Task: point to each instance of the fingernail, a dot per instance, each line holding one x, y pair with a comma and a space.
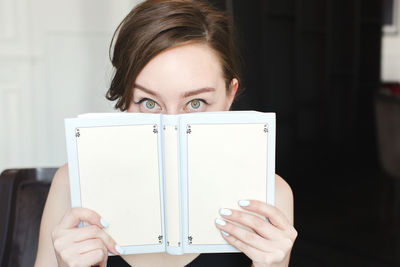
225, 212
119, 249
224, 233
104, 223
244, 203
220, 221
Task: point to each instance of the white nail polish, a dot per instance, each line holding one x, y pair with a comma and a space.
244, 203
104, 223
225, 212
119, 249
224, 233
220, 221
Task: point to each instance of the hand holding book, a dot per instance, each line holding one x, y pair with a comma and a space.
87, 245
267, 243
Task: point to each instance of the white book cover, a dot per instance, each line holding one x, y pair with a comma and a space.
160, 180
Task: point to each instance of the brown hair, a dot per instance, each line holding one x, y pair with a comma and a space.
154, 26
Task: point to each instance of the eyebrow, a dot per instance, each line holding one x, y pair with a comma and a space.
198, 91
185, 94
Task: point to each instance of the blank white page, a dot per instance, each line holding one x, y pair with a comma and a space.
226, 163
119, 179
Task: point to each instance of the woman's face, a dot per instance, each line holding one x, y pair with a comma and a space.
182, 79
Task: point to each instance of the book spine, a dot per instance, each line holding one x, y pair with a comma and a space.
170, 130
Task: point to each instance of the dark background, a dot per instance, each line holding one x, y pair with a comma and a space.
316, 63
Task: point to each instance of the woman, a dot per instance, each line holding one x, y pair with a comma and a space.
170, 57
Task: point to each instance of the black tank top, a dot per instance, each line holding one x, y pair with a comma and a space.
204, 260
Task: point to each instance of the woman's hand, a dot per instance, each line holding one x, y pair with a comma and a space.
270, 243
85, 246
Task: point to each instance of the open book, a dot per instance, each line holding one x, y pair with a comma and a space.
160, 180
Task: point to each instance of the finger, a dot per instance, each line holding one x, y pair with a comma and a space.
89, 245
66, 237
260, 226
250, 238
93, 231
74, 251
94, 257
254, 254
104, 263
275, 216
77, 215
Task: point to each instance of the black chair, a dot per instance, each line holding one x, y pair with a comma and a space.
23, 193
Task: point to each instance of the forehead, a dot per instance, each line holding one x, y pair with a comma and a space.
182, 68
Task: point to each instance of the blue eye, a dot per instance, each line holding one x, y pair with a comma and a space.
150, 104
147, 104
195, 104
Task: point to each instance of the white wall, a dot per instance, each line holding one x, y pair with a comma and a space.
53, 64
391, 58
390, 68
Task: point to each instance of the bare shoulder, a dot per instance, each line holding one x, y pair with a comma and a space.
59, 192
61, 178
284, 197
57, 205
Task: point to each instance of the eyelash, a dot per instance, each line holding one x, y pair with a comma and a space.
198, 99
146, 99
